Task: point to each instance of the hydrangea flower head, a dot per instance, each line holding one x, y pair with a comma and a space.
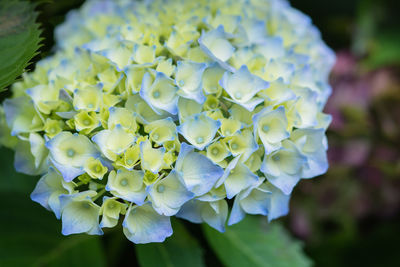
204, 110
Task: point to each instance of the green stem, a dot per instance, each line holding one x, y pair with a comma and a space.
80, 183
100, 185
99, 194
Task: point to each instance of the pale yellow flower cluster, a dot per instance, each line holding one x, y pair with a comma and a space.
171, 107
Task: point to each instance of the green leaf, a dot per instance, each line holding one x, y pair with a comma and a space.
180, 250
254, 242
384, 50
30, 236
19, 39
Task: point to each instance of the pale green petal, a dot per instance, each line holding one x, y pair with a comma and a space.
152, 159
123, 117
113, 142
88, 98
215, 44
187, 108
161, 130
188, 77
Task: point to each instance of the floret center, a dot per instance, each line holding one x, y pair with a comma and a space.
265, 128
160, 188
70, 152
98, 168
235, 146
124, 182
156, 94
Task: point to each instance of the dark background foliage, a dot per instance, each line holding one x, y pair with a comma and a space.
348, 217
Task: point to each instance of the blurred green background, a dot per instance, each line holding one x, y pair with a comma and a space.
348, 217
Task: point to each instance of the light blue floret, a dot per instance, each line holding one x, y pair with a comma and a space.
313, 145
153, 97
79, 214
191, 165
263, 199
242, 86
167, 195
199, 130
237, 177
48, 189
284, 167
142, 224
214, 213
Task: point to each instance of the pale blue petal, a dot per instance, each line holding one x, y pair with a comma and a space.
237, 213
69, 173
232, 164
251, 104
271, 47
167, 195
257, 202
199, 174
79, 214
283, 168
242, 86
279, 203
284, 182
240, 179
254, 31
271, 138
191, 211
142, 224
24, 161
312, 144
43, 190
48, 189
316, 165
215, 214
221, 50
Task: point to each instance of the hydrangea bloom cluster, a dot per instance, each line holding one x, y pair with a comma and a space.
155, 109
